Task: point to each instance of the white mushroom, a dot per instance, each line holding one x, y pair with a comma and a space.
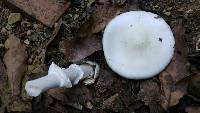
58, 77
138, 44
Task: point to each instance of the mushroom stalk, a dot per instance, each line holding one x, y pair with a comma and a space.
58, 77
35, 87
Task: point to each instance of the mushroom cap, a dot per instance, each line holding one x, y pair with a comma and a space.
138, 44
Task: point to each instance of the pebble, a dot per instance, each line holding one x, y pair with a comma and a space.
8, 27
167, 13
169, 8
26, 24
28, 33
4, 31
190, 11
38, 27
14, 18
89, 105
1, 45
27, 42
180, 9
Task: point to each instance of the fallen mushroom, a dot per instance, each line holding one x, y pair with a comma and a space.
138, 44
57, 77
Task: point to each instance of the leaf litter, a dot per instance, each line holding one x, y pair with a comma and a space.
176, 70
110, 93
15, 62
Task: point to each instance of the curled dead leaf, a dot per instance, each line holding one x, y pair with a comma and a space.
15, 61
75, 50
176, 70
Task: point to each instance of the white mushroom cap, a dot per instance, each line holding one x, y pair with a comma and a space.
138, 44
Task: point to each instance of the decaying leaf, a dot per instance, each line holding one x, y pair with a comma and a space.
58, 93
46, 11
194, 85
176, 70
15, 61
75, 97
113, 103
99, 18
75, 50
150, 94
193, 109
175, 97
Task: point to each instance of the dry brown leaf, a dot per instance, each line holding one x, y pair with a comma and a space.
59, 93
78, 95
75, 50
175, 97
99, 18
193, 109
150, 94
113, 103
79, 48
15, 61
46, 11
193, 85
176, 70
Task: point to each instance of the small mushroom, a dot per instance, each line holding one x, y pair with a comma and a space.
57, 77
138, 44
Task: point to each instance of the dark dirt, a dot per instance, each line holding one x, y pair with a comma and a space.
110, 93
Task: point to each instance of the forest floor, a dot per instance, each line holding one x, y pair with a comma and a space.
77, 37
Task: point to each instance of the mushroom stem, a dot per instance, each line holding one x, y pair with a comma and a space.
35, 87
58, 77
